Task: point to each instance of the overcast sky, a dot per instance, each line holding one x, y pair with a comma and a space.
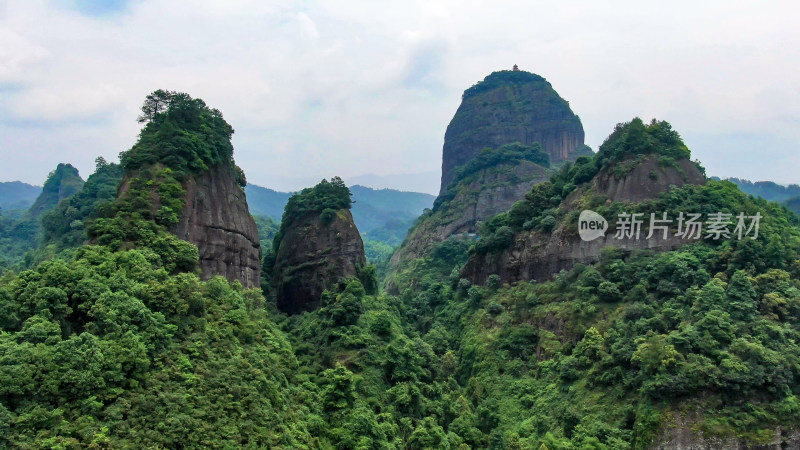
316, 89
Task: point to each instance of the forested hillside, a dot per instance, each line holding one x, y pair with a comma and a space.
119, 335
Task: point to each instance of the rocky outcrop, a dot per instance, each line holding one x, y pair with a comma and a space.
646, 180
60, 184
490, 192
507, 108
538, 255
313, 255
510, 106
678, 434
217, 220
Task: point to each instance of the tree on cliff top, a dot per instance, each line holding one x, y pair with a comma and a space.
182, 133
504, 78
332, 194
325, 197
635, 138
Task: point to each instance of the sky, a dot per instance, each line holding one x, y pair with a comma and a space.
365, 89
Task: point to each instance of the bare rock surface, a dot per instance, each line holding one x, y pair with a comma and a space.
217, 220
537, 255
314, 256
510, 106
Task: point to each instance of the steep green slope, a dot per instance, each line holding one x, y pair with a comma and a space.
508, 133
65, 225
120, 344
17, 237
20, 234
698, 342
493, 179
60, 184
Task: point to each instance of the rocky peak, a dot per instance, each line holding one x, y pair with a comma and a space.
510, 106
632, 170
317, 246
505, 135
489, 184
184, 154
60, 184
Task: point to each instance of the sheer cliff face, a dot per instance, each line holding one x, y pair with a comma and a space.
507, 107
217, 220
680, 433
314, 256
510, 107
537, 255
485, 195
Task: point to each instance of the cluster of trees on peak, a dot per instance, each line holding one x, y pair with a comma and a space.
327, 195
503, 78
183, 134
637, 138
325, 200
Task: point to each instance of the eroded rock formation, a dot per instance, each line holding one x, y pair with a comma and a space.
217, 220
506, 108
510, 106
538, 255
487, 194
314, 254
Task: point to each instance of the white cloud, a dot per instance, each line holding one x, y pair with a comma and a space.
307, 26
17, 54
357, 87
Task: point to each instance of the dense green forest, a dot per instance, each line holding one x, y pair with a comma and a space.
112, 340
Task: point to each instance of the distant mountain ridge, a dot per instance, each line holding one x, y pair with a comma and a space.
18, 195
372, 208
426, 182
767, 190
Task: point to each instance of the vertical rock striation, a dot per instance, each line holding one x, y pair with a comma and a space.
507, 110
510, 106
217, 220
313, 256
